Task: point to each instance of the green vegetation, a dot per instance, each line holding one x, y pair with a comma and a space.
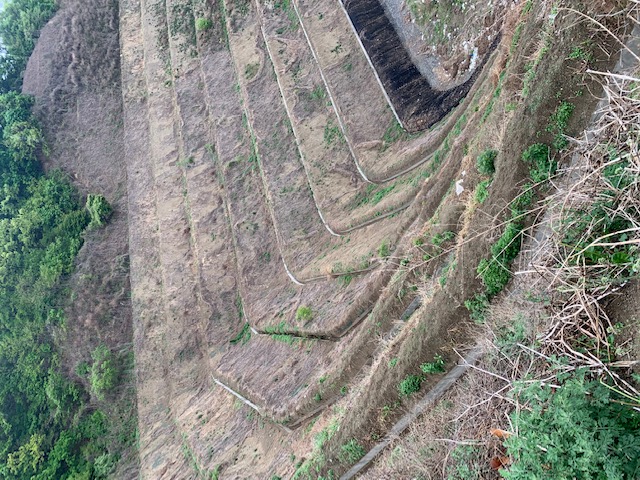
277, 333
581, 52
48, 430
558, 124
481, 193
99, 210
372, 195
477, 307
318, 93
464, 464
436, 366
251, 70
243, 335
495, 271
384, 249
411, 384
332, 134
203, 24
584, 428
287, 8
542, 167
20, 25
104, 371
313, 466
441, 238
304, 314
351, 451
485, 162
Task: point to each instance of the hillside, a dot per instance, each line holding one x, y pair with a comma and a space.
319, 209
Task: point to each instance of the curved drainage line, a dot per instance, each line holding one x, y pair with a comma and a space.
291, 276
320, 336
335, 108
426, 402
333, 103
249, 403
333, 232
366, 55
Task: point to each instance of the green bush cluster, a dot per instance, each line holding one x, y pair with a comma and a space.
542, 166
104, 371
351, 451
495, 271
436, 366
485, 162
481, 192
304, 314
410, 384
477, 307
203, 24
558, 124
581, 430
99, 210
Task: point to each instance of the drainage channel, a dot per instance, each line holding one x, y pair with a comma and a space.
427, 401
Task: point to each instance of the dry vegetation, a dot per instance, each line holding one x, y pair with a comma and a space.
558, 323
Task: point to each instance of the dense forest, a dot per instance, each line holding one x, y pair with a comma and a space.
48, 429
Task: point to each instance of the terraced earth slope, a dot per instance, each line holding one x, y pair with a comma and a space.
293, 185
270, 190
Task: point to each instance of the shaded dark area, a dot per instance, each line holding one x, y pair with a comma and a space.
418, 105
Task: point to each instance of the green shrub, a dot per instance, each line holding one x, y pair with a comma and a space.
494, 272
508, 245
410, 384
243, 335
485, 162
99, 210
558, 123
477, 307
522, 202
481, 192
541, 165
577, 431
304, 314
104, 465
440, 238
104, 371
437, 366
351, 451
203, 24
383, 249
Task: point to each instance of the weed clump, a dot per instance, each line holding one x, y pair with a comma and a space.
203, 24
352, 451
437, 366
541, 165
481, 192
585, 432
304, 314
104, 372
485, 162
411, 384
99, 210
